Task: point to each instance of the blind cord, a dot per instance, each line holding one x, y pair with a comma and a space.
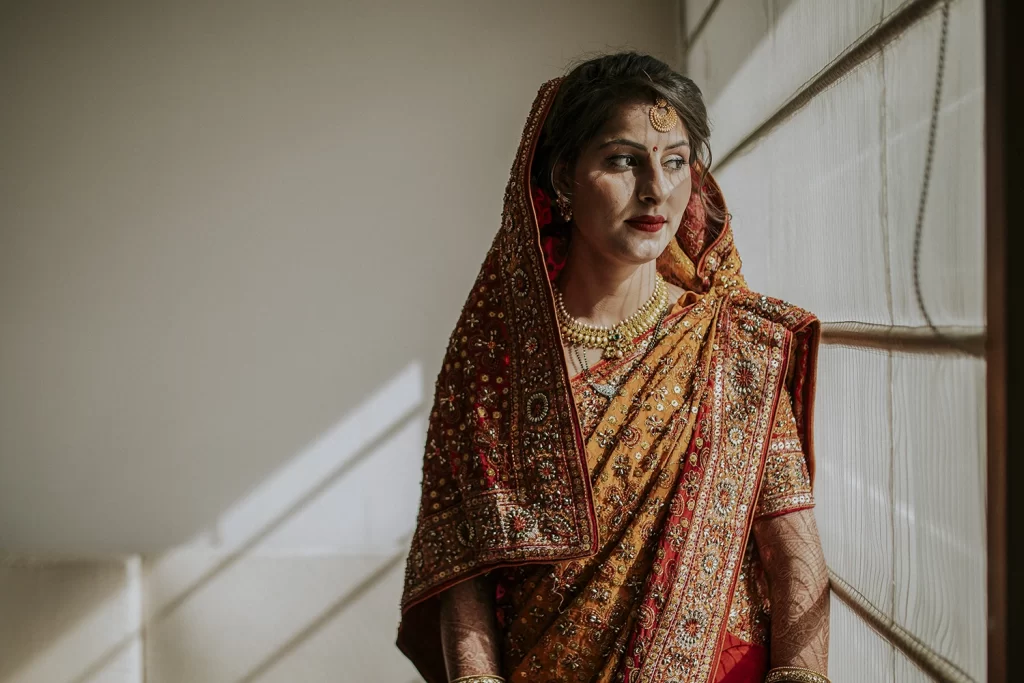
929, 158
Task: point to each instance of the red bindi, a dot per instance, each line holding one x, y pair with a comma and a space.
655, 148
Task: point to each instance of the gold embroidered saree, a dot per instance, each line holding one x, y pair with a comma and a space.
616, 525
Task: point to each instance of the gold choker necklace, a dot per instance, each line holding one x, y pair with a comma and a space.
616, 340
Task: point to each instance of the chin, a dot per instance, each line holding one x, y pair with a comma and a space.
639, 257
645, 249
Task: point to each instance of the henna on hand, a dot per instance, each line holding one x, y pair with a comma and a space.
469, 629
798, 585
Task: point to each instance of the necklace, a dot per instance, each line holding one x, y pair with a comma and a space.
616, 340
610, 389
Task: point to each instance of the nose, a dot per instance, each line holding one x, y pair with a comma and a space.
652, 188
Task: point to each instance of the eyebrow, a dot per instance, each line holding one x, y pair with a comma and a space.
637, 145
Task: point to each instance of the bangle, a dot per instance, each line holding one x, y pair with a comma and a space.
478, 679
792, 674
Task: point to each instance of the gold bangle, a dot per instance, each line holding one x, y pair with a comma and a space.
792, 674
478, 679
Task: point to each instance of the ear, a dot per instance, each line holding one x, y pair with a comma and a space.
561, 178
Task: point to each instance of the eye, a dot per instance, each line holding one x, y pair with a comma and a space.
676, 163
622, 161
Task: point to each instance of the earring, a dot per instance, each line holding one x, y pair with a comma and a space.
564, 206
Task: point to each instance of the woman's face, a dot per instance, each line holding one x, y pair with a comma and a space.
630, 187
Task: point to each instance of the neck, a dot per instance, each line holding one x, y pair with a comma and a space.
601, 292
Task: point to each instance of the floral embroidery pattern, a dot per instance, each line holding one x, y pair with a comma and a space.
786, 484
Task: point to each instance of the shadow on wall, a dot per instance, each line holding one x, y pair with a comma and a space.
322, 513
88, 602
221, 228
200, 258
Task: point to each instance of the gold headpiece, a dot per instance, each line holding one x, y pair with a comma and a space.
663, 116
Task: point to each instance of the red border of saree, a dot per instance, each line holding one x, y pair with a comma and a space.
684, 640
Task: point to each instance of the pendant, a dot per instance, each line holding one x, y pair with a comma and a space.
606, 390
616, 346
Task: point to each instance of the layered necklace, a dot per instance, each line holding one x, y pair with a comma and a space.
616, 340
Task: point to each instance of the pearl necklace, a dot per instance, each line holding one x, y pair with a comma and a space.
616, 340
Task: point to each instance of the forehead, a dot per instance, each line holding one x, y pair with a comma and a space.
633, 120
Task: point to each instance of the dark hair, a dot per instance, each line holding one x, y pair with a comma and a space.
593, 90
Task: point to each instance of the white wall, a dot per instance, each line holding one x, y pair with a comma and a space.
70, 620
233, 241
824, 210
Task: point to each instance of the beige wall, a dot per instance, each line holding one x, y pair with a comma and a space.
824, 208
225, 225
233, 240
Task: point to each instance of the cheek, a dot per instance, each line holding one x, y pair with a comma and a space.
606, 197
681, 196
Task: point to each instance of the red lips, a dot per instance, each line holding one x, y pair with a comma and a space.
647, 223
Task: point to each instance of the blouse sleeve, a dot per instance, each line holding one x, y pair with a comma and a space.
786, 485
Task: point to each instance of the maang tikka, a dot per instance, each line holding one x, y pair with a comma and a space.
663, 116
564, 206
